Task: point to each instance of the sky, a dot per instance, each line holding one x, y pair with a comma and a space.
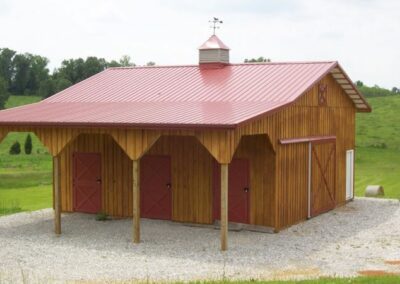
363, 35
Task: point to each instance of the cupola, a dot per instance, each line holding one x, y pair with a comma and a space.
213, 53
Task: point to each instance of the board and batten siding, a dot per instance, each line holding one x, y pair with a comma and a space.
191, 172
258, 150
302, 119
116, 173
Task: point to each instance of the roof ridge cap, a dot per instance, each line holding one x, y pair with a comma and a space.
230, 64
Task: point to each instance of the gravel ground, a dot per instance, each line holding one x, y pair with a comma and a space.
359, 236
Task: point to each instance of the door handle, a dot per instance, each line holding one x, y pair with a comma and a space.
246, 189
98, 180
168, 185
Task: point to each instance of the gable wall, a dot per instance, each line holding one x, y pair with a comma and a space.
301, 119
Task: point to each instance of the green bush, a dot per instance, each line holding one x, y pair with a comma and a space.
101, 216
28, 145
15, 148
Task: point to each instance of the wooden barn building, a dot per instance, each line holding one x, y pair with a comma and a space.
266, 144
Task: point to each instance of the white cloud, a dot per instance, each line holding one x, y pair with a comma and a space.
362, 35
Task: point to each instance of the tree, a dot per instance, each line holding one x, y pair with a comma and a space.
260, 59
4, 94
375, 91
38, 72
6, 64
72, 70
61, 84
15, 148
113, 63
125, 61
150, 63
28, 145
93, 65
21, 64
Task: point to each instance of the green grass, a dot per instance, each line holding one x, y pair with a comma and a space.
25, 180
378, 166
25, 199
378, 147
382, 126
15, 101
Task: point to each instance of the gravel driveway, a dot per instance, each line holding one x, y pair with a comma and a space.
359, 236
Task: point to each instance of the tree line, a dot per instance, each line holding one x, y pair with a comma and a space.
28, 74
376, 91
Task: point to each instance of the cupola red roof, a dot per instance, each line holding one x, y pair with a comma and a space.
213, 43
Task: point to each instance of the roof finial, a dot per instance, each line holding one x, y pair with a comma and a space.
215, 21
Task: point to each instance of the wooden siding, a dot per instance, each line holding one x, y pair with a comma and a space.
191, 177
135, 142
116, 173
258, 150
220, 143
3, 134
306, 118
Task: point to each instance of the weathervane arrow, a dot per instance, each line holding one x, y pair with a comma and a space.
215, 21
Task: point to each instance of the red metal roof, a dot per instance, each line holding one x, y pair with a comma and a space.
174, 96
214, 43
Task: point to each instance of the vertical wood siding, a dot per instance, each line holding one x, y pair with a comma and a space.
116, 173
261, 156
306, 118
191, 166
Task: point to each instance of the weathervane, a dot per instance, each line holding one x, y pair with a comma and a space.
215, 21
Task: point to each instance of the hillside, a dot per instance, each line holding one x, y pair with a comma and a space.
381, 128
378, 146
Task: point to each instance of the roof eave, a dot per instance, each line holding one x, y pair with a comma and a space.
369, 108
117, 125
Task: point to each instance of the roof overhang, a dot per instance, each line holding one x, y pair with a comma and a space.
350, 89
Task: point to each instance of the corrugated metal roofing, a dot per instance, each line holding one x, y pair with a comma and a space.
177, 96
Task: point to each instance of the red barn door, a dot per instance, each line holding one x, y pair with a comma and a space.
238, 191
155, 187
323, 177
87, 182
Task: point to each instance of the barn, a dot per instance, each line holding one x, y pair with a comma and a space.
265, 145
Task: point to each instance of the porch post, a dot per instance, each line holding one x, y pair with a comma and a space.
136, 200
224, 207
57, 195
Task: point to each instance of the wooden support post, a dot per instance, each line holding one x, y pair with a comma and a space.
57, 195
224, 207
136, 200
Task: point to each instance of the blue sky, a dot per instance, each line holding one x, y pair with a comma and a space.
363, 35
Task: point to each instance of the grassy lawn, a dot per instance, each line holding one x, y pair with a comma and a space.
378, 147
15, 101
378, 166
25, 180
